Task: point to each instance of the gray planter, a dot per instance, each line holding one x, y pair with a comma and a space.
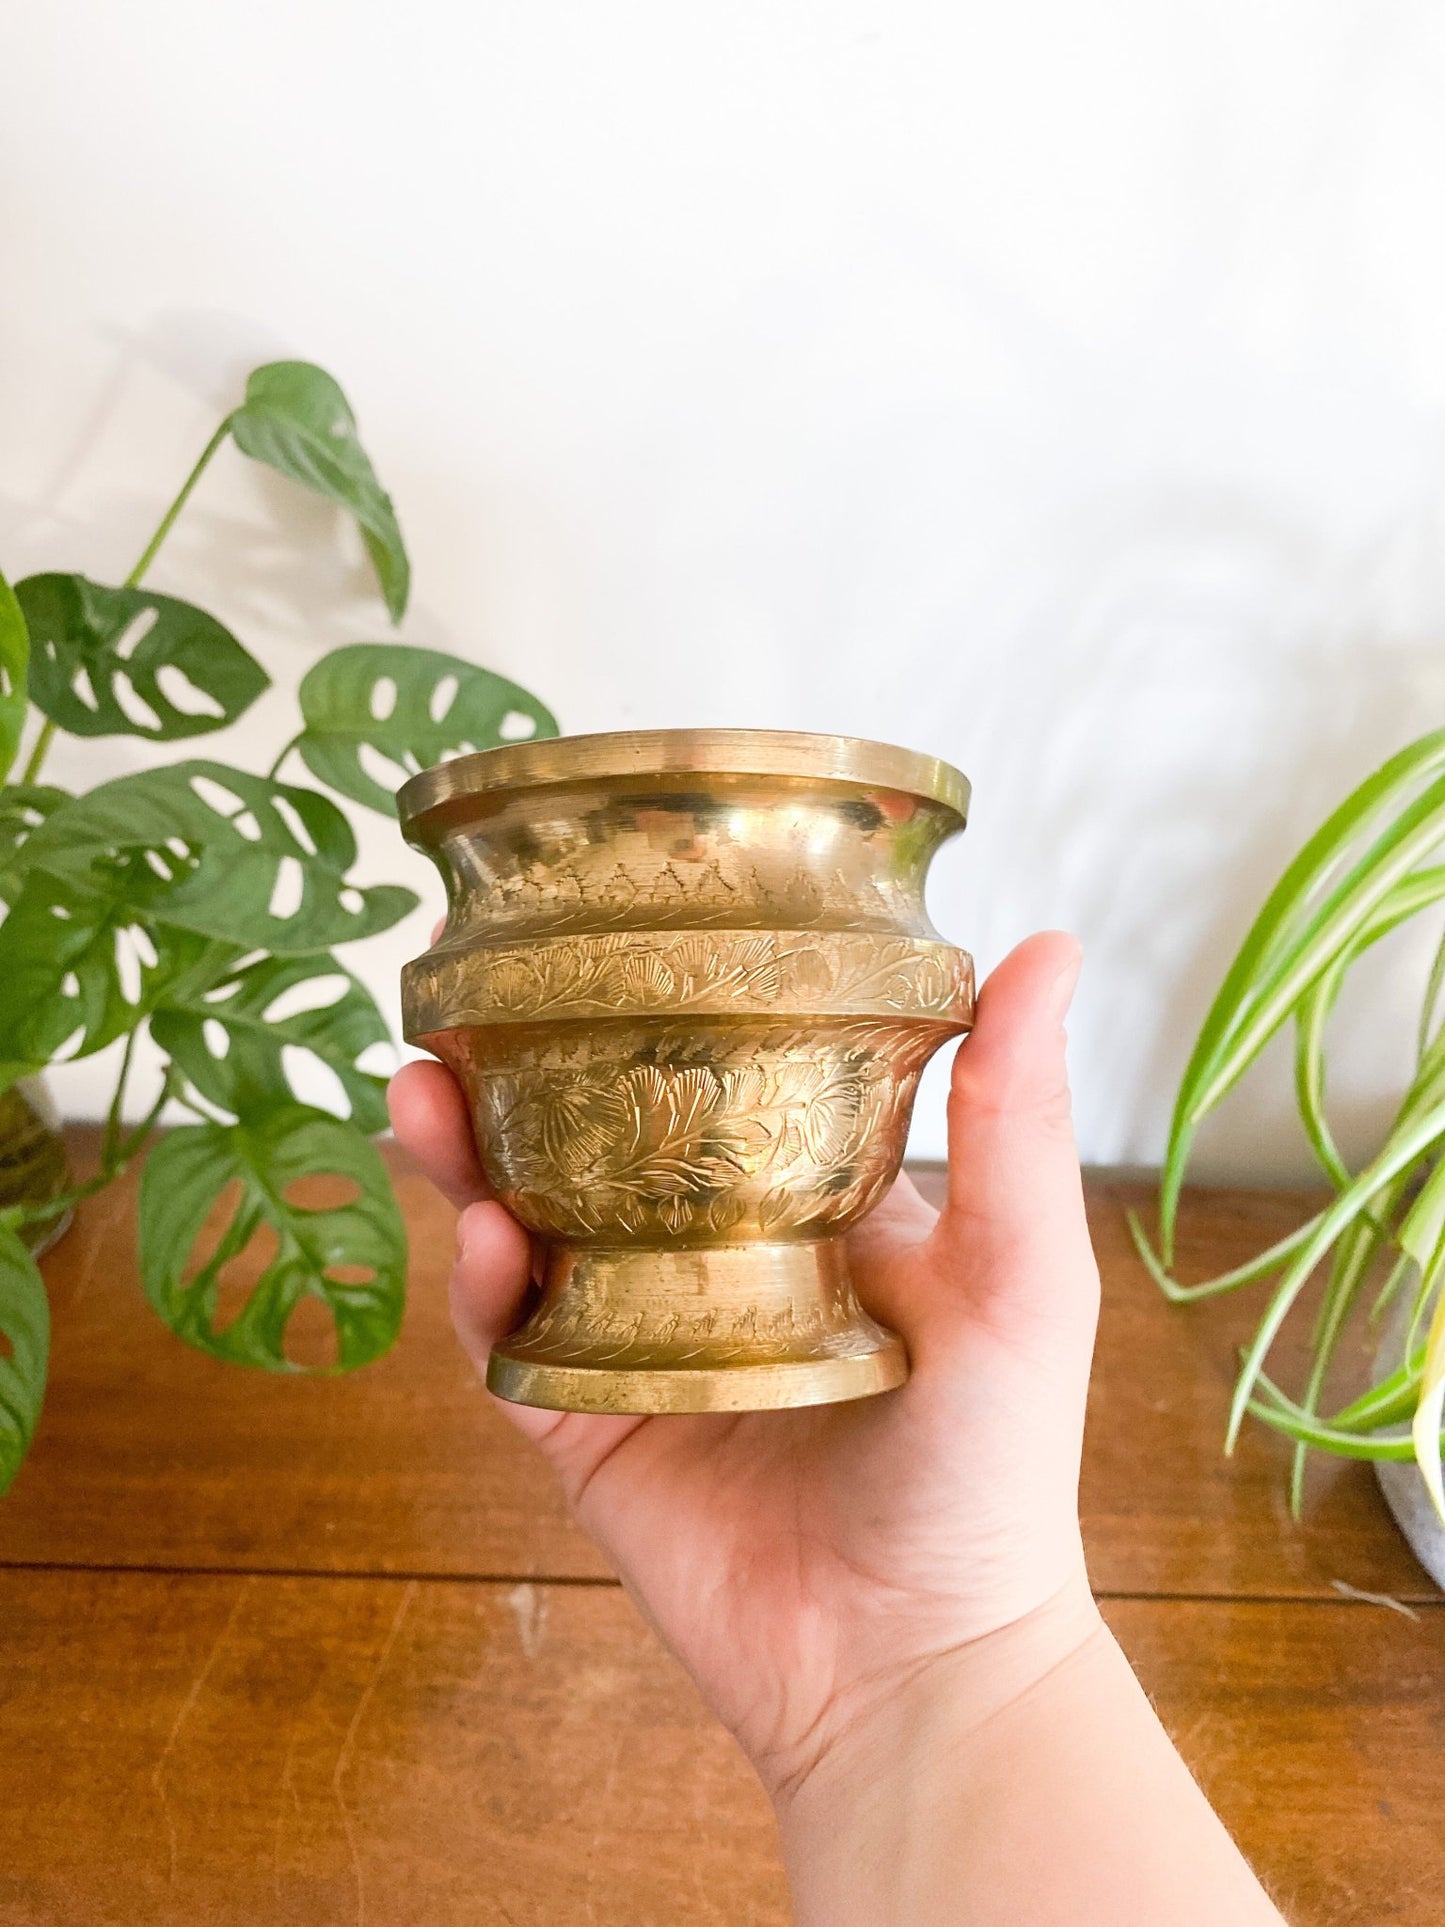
1415, 1515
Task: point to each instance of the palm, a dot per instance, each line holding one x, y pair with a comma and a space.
759, 1544
794, 1558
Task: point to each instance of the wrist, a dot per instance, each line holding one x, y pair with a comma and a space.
1021, 1778
904, 1722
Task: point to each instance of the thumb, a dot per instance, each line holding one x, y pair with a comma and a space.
1015, 1199
488, 1291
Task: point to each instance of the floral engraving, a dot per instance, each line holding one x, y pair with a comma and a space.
764, 1132
689, 1008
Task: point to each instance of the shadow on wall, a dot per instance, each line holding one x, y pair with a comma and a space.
1232, 676
1161, 688
284, 569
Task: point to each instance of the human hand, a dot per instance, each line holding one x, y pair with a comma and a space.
805, 1565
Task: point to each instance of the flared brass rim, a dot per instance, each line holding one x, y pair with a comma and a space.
665, 752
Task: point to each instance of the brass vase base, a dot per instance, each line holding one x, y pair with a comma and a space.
725, 1328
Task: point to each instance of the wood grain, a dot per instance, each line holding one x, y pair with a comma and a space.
153, 1455
234, 1750
1315, 1730
385, 1681
225, 1750
1164, 1511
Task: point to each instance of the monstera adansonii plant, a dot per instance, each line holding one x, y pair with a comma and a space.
203, 905
1373, 866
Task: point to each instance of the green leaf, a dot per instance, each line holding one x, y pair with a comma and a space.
242, 1009
1427, 1086
233, 856
1351, 1263
1430, 1003
1248, 1273
129, 662
23, 808
1390, 1402
350, 1255
1276, 931
1411, 837
296, 420
66, 971
14, 657
1417, 831
1287, 1418
1422, 1229
414, 707
1425, 1430
25, 1323
1407, 899
1401, 1149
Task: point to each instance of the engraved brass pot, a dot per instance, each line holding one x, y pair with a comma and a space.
688, 983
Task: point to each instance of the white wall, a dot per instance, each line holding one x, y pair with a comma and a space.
1055, 388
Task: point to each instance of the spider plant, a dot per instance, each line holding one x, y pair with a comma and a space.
1373, 866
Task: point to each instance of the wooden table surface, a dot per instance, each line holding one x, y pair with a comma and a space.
314, 1652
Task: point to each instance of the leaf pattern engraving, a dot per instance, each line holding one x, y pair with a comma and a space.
767, 1133
729, 972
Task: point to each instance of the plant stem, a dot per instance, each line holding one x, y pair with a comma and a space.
39, 753
189, 1104
148, 553
113, 1121
285, 752
111, 1166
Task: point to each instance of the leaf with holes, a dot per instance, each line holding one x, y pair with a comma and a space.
129, 662
14, 658
23, 808
350, 1255
233, 856
83, 967
263, 1011
25, 1325
413, 707
296, 419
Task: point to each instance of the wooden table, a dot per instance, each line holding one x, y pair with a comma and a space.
279, 1652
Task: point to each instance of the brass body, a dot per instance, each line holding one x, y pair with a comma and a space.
688, 983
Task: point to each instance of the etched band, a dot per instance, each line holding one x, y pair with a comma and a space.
723, 973
760, 1129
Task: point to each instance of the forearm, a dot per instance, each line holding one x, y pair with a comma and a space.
1035, 1787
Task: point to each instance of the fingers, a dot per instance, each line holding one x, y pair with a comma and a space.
882, 1256
490, 1277
493, 1267
488, 1288
1013, 1169
429, 1116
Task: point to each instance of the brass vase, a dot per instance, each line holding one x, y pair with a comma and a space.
688, 984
